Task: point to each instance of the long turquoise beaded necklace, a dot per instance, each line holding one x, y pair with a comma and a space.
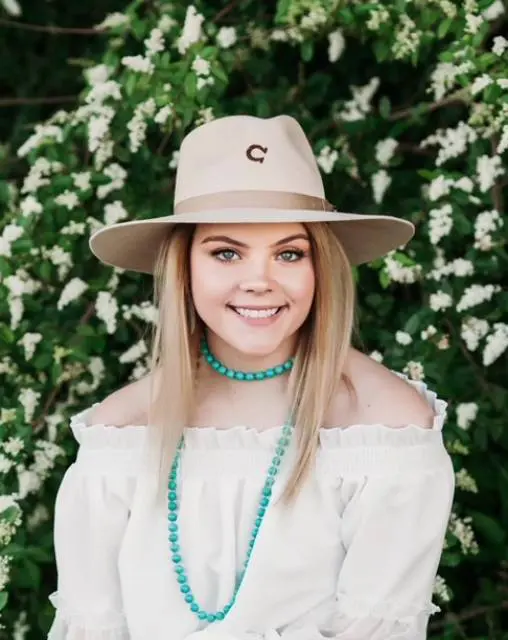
266, 493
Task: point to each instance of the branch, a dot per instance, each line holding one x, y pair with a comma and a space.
466, 615
50, 29
459, 97
13, 102
225, 11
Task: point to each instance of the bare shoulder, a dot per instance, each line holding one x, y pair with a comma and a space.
382, 397
125, 406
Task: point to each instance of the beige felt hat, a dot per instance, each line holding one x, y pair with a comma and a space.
240, 169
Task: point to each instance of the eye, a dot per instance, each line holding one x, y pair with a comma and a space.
292, 255
225, 255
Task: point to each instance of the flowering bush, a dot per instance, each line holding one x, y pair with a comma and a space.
406, 104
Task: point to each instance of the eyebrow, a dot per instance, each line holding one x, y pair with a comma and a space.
227, 240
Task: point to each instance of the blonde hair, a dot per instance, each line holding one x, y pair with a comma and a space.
323, 345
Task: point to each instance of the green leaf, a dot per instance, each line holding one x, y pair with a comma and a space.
443, 28
490, 529
413, 324
307, 50
385, 107
451, 559
4, 597
384, 279
10, 514
190, 85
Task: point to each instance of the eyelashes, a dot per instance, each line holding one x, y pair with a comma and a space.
220, 254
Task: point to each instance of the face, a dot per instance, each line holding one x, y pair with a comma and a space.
253, 286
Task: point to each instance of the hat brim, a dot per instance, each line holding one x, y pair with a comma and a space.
133, 245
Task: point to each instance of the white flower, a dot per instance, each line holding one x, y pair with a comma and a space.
360, 105
503, 142
117, 175
465, 481
476, 294
438, 188
173, 163
98, 127
441, 589
204, 82
497, 342
488, 169
192, 30
428, 332
444, 77
453, 141
134, 353
14, 445
500, 45
407, 38
495, 10
72, 291
82, 180
327, 159
401, 273
414, 370
473, 23
43, 133
464, 184
103, 90
378, 16
106, 307
155, 42
336, 45
98, 74
440, 223
480, 83
226, 37
385, 150
200, 66
403, 338
30, 205
440, 301
114, 211
502, 82
138, 63
486, 222
380, 183
29, 341
113, 20
67, 199
377, 356
166, 23
461, 268
162, 116
472, 331
466, 414
11, 7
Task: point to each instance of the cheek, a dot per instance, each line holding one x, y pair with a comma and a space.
301, 288
209, 283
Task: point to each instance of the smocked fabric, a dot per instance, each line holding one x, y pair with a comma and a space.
355, 558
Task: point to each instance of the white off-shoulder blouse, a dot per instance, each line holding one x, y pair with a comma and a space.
355, 558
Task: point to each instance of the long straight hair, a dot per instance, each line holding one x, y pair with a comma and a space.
319, 361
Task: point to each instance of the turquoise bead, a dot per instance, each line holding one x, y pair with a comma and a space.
264, 500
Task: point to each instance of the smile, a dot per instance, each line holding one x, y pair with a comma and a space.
267, 312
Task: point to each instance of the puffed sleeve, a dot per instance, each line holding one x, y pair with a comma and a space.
394, 488
91, 514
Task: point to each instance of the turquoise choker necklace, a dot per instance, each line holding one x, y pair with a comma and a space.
264, 500
241, 375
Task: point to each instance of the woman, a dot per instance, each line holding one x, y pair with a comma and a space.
266, 480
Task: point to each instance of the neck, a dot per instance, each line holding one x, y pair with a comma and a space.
249, 362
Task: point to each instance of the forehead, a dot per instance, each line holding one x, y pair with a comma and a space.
251, 233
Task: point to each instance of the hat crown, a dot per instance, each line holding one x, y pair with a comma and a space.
247, 153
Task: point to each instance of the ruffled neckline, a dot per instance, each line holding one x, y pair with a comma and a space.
244, 437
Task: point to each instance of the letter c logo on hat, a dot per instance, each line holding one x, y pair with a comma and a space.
256, 147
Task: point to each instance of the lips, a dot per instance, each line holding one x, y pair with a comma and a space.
256, 312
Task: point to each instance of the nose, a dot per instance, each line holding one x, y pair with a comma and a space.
258, 279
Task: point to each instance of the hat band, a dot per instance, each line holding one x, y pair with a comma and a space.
253, 199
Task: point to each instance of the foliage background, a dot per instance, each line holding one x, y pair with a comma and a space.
369, 82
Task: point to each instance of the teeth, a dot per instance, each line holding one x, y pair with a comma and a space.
256, 313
